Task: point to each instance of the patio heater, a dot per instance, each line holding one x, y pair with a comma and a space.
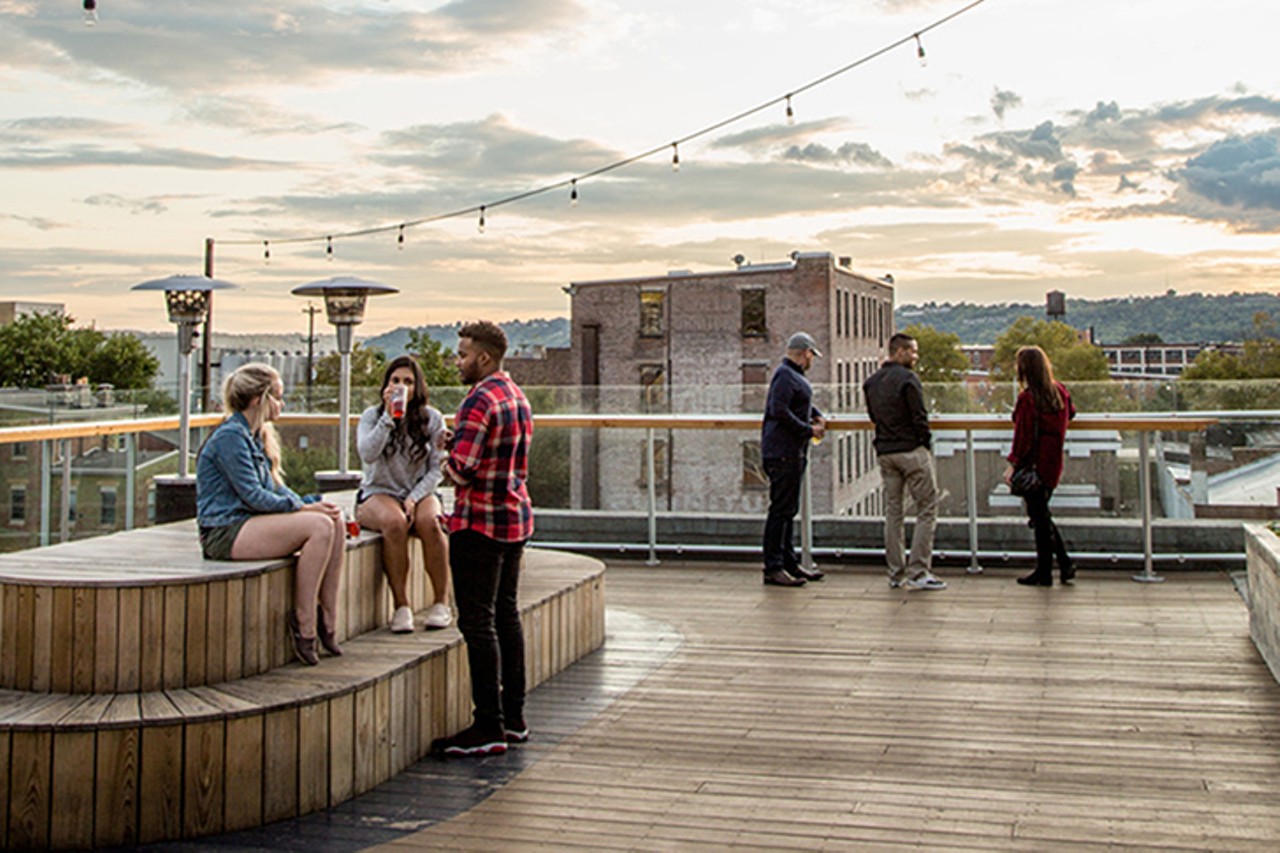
344, 302
187, 298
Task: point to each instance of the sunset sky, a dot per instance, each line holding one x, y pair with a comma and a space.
1099, 147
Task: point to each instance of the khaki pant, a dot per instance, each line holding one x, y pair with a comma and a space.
913, 471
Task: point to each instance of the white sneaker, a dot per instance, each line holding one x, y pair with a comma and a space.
402, 621
438, 616
926, 581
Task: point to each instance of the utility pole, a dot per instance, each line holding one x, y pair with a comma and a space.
206, 345
311, 311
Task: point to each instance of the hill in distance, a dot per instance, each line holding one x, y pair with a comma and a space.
1176, 318
521, 335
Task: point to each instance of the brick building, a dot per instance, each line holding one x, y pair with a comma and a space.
708, 342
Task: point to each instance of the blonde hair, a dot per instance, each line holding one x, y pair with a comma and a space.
239, 390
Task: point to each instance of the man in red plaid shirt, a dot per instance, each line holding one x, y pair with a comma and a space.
492, 519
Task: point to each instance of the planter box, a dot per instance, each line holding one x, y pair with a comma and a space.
1263, 556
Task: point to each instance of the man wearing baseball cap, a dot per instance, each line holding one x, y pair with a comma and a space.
790, 423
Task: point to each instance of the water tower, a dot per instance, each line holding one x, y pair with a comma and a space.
1056, 306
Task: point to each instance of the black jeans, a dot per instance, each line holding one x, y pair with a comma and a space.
486, 577
785, 477
1049, 543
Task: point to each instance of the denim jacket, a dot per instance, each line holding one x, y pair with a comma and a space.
233, 477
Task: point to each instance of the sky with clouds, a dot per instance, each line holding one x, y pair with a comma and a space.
1098, 147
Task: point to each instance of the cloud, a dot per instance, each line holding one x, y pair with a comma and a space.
850, 153
1002, 101
1242, 171
209, 47
153, 205
85, 155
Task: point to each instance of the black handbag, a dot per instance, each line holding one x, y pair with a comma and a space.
1026, 479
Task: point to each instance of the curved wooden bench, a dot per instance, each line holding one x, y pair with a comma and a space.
218, 749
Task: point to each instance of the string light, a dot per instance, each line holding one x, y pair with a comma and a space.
90, 12
266, 251
328, 248
572, 183
400, 239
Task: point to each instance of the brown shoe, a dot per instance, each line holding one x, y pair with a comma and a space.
303, 647
779, 577
327, 636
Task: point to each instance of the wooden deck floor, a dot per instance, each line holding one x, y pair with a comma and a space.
845, 715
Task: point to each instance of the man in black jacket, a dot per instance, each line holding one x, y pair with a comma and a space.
790, 423
895, 401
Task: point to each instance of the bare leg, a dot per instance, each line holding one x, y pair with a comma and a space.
435, 547
332, 582
385, 514
311, 534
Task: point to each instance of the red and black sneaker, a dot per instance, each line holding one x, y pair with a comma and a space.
516, 731
473, 742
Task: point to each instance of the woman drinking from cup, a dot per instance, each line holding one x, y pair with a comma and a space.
399, 445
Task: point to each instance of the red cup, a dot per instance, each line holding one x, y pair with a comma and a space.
399, 397
353, 528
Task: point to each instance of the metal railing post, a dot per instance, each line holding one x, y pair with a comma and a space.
1144, 500
971, 494
46, 484
651, 481
64, 520
130, 477
806, 520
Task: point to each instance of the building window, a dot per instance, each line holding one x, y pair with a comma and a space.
753, 476
653, 389
755, 373
151, 502
303, 442
753, 313
17, 504
73, 506
19, 450
107, 511
651, 313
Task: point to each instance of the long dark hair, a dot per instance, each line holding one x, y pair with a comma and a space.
1035, 373
411, 433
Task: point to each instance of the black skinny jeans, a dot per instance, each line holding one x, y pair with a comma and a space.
1049, 543
785, 477
486, 576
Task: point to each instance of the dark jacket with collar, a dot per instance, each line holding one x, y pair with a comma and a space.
895, 401
788, 414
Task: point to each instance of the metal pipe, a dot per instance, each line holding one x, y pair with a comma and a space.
64, 523
806, 520
130, 477
971, 494
651, 481
344, 410
46, 485
1148, 574
184, 414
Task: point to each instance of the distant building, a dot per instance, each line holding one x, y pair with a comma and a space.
708, 342
287, 353
10, 311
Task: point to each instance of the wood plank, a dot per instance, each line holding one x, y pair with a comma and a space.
279, 600
30, 780
313, 757
366, 745
342, 750
5, 756
9, 631
175, 637
195, 670
84, 617
160, 784
151, 637
280, 766
73, 788
116, 792
253, 642
245, 753
42, 640
107, 636
382, 732
203, 778
216, 628
234, 635
62, 640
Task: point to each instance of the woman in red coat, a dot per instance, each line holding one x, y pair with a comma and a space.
1039, 429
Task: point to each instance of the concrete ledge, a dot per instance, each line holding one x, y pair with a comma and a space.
1264, 593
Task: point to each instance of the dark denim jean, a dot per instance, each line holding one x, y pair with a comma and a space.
486, 577
785, 476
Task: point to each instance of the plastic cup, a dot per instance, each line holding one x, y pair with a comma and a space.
399, 397
353, 528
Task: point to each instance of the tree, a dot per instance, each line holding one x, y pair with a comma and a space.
1073, 359
1142, 338
367, 366
38, 347
941, 359
1223, 380
435, 358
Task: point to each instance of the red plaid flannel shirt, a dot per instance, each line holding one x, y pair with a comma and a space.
490, 459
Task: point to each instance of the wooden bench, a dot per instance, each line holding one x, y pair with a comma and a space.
150, 695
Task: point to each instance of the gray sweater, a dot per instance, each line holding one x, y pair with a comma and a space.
397, 475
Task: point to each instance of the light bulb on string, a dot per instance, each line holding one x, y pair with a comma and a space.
791, 114
675, 157
573, 192
400, 239
480, 224
924, 60
328, 248
266, 251
90, 12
